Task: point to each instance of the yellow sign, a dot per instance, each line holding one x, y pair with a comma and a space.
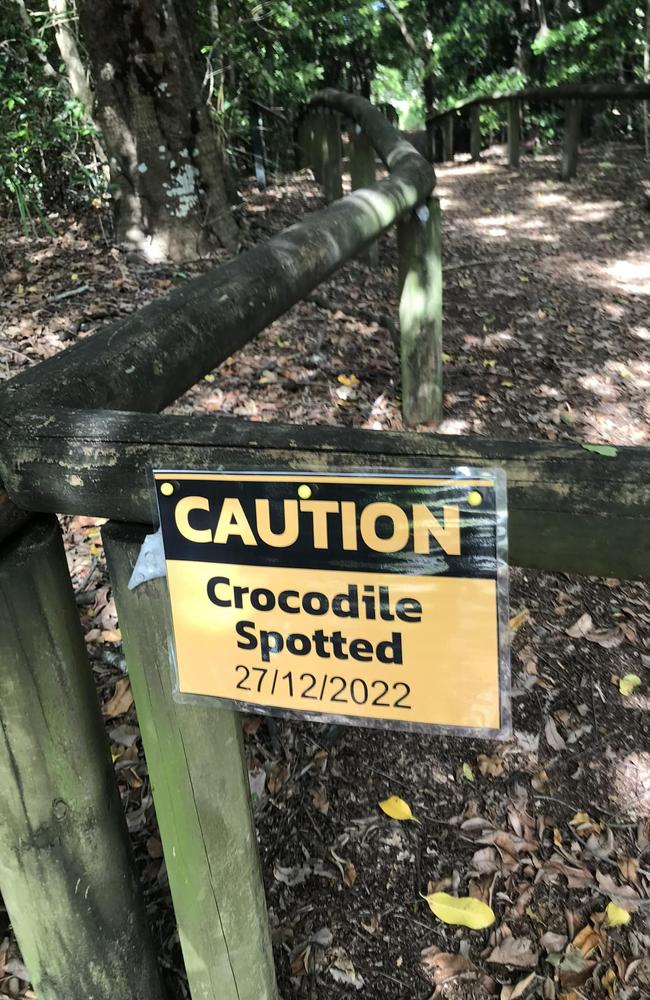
375, 599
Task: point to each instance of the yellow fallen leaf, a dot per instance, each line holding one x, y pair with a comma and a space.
627, 684
110, 635
208, 378
518, 620
347, 379
616, 915
396, 808
506, 383
464, 910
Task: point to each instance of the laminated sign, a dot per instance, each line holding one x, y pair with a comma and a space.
369, 598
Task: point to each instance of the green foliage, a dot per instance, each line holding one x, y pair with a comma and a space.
391, 86
46, 150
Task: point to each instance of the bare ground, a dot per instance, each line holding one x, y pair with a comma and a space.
547, 333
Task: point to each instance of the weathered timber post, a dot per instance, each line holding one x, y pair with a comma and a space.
66, 870
448, 137
419, 245
305, 142
571, 139
258, 144
475, 132
514, 133
332, 179
317, 140
363, 172
201, 794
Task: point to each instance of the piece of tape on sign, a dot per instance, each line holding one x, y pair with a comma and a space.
150, 564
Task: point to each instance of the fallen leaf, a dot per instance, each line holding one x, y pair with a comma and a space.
350, 379
580, 628
553, 738
517, 952
627, 684
552, 942
616, 915
607, 450
291, 876
343, 971
518, 620
396, 808
467, 771
463, 910
121, 700
520, 989
484, 862
320, 801
349, 874
444, 965
111, 635
490, 766
587, 940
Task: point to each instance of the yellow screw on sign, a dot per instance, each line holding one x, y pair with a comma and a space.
166, 489
474, 498
304, 492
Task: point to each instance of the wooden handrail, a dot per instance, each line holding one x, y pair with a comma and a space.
147, 360
561, 92
571, 509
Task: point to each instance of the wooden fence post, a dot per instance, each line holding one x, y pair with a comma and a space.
448, 137
363, 173
475, 132
258, 144
317, 137
332, 179
419, 244
571, 139
66, 869
201, 794
514, 133
305, 142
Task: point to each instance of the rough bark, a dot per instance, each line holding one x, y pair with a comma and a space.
164, 156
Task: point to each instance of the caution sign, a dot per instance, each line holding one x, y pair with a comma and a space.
376, 599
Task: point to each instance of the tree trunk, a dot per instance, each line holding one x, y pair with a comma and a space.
76, 73
165, 160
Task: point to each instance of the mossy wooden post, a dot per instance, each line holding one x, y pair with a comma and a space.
419, 243
316, 141
305, 142
332, 178
475, 132
363, 172
66, 870
448, 137
201, 794
571, 139
514, 133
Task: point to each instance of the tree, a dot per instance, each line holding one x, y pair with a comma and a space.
165, 160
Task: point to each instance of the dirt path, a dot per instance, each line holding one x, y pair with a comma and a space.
547, 333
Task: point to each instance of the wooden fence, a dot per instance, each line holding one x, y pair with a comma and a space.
440, 127
80, 432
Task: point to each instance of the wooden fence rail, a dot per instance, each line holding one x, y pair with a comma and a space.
573, 95
571, 509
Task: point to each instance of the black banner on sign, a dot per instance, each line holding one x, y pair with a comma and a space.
353, 524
